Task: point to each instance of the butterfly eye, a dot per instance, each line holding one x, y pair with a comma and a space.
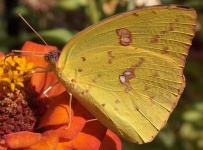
47, 57
52, 57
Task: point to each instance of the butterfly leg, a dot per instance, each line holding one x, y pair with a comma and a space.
42, 69
48, 89
69, 114
39, 69
70, 102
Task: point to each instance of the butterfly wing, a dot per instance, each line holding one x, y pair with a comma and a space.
128, 70
166, 30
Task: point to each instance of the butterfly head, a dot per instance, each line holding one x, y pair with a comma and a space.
52, 57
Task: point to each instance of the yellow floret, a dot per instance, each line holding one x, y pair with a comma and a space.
13, 71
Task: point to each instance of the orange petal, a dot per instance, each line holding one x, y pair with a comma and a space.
94, 131
72, 132
81, 115
58, 112
86, 141
22, 139
111, 141
2, 54
48, 141
56, 89
65, 146
34, 47
3, 146
81, 111
90, 137
42, 81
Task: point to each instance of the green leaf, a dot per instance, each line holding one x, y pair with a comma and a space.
58, 36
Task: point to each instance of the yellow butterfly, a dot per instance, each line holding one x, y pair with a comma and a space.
128, 69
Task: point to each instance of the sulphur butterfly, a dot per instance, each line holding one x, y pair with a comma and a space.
128, 69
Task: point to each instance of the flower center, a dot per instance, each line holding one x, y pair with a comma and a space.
19, 107
13, 72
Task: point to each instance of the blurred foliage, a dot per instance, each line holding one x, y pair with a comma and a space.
58, 20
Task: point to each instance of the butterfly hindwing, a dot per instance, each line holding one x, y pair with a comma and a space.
136, 108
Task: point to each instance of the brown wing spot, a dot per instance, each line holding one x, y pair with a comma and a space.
146, 88
152, 97
79, 70
83, 58
155, 39
136, 14
165, 50
94, 80
152, 100
109, 53
117, 101
165, 121
87, 90
174, 105
163, 32
154, 12
109, 61
156, 75
141, 60
125, 37
129, 74
179, 91
152, 137
128, 89
137, 109
115, 109
73, 81
103, 105
171, 28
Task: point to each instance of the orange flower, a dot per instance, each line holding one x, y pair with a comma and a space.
51, 132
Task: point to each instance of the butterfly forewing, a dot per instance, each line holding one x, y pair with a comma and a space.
163, 29
128, 70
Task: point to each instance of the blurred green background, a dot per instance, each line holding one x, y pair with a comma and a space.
58, 20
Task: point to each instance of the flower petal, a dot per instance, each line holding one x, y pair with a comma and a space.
22, 139
2, 54
2, 147
91, 136
111, 141
48, 141
42, 81
72, 132
85, 132
58, 112
65, 146
34, 48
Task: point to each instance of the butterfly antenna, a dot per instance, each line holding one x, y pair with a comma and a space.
33, 29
